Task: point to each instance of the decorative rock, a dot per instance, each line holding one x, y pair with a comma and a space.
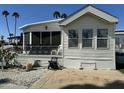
37, 63
29, 67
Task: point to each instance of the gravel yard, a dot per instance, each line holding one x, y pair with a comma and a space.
19, 79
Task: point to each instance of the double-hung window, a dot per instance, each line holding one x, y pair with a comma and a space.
102, 38
72, 38
87, 38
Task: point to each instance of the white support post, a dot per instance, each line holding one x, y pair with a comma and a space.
95, 43
62, 43
95, 40
61, 38
23, 43
30, 38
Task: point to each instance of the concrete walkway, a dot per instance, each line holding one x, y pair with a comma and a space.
75, 78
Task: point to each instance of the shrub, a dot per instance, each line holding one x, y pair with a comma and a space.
6, 56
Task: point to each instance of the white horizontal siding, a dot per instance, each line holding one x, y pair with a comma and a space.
24, 59
100, 64
104, 58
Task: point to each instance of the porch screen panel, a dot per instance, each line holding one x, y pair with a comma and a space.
56, 38
45, 38
36, 38
27, 41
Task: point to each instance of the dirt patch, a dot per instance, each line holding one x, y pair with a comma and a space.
75, 78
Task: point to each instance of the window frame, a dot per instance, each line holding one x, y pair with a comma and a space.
102, 38
91, 38
77, 32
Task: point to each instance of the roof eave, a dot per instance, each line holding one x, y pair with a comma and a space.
42, 22
115, 19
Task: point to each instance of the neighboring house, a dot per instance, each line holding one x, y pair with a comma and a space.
14, 40
119, 42
85, 39
119, 37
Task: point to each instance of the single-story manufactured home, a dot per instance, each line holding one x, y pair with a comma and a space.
85, 39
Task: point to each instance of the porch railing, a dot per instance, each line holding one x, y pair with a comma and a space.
42, 50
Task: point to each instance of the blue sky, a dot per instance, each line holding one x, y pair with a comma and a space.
35, 13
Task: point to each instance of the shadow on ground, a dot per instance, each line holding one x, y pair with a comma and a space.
119, 60
114, 85
5, 80
119, 66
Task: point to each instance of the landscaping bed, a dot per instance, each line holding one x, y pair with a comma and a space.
19, 78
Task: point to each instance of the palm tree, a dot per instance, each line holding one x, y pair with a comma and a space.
56, 14
16, 15
64, 15
6, 13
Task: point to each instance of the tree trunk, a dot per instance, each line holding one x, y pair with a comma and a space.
7, 24
2, 67
15, 29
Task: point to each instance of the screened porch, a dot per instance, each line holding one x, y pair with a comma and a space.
42, 43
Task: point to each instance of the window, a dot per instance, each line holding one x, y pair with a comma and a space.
102, 38
73, 38
87, 37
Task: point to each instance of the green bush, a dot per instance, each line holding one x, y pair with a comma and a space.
6, 56
122, 71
